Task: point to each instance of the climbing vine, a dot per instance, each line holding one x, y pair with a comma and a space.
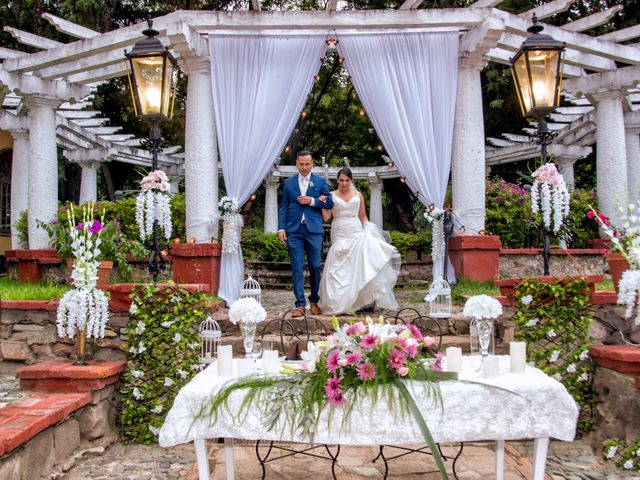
162, 355
625, 455
553, 318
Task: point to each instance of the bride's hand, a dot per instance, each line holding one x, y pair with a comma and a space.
322, 198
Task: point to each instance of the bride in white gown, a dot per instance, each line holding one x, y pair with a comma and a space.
360, 268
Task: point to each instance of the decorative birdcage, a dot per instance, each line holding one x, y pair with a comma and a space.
251, 289
439, 299
210, 335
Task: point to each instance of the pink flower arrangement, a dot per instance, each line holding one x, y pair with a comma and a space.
367, 353
156, 180
548, 173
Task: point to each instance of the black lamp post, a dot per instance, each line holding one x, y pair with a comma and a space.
152, 76
537, 72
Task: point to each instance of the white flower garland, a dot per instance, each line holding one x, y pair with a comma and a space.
153, 204
435, 216
228, 206
85, 307
549, 195
231, 227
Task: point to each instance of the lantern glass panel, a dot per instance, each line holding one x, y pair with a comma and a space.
544, 74
147, 74
523, 87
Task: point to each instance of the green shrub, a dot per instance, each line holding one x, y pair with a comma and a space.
508, 213
554, 318
163, 352
267, 247
22, 225
413, 245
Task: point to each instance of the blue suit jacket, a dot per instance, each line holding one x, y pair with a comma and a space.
290, 214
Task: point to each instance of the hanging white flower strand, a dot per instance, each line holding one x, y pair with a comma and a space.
435, 216
153, 204
549, 195
85, 307
231, 224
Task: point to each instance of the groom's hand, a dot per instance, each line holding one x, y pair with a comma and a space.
282, 235
304, 200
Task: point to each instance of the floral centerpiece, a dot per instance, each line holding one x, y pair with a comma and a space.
231, 224
373, 359
626, 240
247, 313
482, 309
84, 310
549, 195
152, 204
435, 216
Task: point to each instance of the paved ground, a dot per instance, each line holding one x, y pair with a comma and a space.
571, 461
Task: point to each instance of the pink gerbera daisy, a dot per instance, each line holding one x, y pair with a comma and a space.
368, 341
332, 361
332, 388
353, 358
338, 400
415, 331
397, 358
366, 371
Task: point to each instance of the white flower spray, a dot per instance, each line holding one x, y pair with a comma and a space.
153, 204
549, 195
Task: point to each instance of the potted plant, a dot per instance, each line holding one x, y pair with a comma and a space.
619, 241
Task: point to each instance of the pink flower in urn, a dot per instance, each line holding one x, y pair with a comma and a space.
368, 341
428, 341
397, 359
366, 371
353, 358
437, 365
402, 371
357, 329
332, 361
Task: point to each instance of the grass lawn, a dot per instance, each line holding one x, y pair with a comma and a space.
14, 290
464, 289
605, 285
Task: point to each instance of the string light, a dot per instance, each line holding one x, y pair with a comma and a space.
390, 163
287, 149
341, 60
361, 112
317, 78
482, 232
192, 239
163, 253
332, 41
252, 197
371, 130
403, 180
380, 147
176, 240
304, 114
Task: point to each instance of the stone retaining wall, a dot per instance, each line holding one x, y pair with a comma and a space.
528, 262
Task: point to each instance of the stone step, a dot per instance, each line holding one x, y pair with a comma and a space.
66, 377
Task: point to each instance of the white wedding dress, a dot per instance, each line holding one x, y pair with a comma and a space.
361, 268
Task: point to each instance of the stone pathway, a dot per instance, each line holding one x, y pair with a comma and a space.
571, 461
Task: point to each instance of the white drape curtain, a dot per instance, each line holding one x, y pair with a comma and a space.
407, 83
260, 84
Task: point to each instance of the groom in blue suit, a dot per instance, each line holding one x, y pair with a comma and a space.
300, 225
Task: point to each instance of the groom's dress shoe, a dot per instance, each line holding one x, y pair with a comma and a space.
315, 309
298, 312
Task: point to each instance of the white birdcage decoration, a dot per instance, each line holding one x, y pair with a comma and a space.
210, 335
439, 299
251, 289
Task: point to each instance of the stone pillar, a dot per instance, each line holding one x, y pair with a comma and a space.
468, 156
19, 181
271, 203
611, 161
375, 201
565, 167
43, 167
632, 141
89, 181
201, 154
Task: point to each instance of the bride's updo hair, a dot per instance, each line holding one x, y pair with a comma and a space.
345, 171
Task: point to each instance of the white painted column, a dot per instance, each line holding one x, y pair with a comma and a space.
375, 201
89, 182
201, 154
468, 155
565, 167
611, 162
271, 203
19, 180
43, 167
632, 141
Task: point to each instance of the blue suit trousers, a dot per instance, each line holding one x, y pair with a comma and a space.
300, 243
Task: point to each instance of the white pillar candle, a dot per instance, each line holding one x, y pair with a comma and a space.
517, 356
270, 361
454, 359
491, 366
245, 366
225, 360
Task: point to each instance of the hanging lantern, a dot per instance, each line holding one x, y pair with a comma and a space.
152, 77
439, 299
537, 72
251, 289
210, 335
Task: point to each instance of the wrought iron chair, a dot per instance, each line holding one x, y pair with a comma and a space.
428, 326
292, 335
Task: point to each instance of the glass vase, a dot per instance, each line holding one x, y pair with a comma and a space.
81, 347
485, 334
248, 331
474, 343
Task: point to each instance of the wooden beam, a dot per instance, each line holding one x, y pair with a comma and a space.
623, 35
592, 21
70, 28
32, 40
548, 9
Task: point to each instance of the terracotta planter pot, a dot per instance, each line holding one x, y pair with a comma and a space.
617, 266
104, 272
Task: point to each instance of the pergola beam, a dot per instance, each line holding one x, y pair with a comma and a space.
548, 9
592, 21
623, 35
70, 28
10, 53
32, 40
408, 4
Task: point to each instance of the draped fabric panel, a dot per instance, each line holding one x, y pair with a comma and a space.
260, 84
407, 83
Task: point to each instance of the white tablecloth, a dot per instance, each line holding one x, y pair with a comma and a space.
469, 412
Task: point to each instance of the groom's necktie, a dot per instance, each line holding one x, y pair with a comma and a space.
303, 190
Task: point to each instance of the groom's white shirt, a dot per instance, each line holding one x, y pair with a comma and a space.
303, 190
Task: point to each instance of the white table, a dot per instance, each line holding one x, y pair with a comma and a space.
541, 409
